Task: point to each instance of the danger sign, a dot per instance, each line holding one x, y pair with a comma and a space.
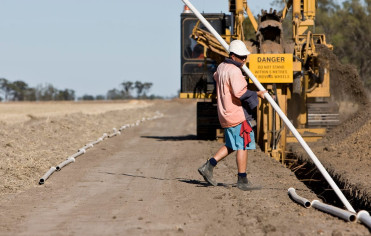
272, 68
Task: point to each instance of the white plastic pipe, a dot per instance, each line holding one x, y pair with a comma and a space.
278, 110
46, 175
80, 152
97, 141
302, 201
87, 146
123, 127
342, 214
104, 136
365, 218
115, 132
64, 163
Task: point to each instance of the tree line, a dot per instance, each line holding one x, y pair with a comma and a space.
126, 91
21, 91
347, 27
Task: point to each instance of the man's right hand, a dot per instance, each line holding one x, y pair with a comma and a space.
261, 93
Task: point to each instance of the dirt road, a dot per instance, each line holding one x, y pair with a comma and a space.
145, 182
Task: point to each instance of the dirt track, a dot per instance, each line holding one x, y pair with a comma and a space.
145, 182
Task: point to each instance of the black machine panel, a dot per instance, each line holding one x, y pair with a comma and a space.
196, 76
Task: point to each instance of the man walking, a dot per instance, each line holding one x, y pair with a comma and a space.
231, 87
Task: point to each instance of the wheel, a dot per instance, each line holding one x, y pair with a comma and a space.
207, 120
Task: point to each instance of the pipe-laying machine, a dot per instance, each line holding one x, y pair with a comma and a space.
291, 69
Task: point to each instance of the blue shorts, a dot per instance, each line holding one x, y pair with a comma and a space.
234, 141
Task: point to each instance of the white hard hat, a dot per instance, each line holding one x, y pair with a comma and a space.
239, 48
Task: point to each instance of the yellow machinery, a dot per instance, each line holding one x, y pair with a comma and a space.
290, 69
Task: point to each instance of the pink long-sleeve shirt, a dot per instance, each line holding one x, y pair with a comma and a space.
230, 85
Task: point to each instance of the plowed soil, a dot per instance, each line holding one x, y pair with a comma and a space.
145, 181
346, 150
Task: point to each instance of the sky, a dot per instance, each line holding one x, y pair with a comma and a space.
92, 46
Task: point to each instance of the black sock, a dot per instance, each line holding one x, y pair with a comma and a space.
242, 174
212, 161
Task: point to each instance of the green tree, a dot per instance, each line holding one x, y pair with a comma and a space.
128, 86
348, 29
18, 90
114, 94
5, 87
88, 97
139, 86
146, 87
30, 94
100, 97
45, 92
65, 95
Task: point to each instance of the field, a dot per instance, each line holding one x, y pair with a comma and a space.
36, 136
145, 181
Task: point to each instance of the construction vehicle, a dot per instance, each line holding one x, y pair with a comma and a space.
290, 69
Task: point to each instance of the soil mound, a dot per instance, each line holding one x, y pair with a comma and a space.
345, 150
346, 88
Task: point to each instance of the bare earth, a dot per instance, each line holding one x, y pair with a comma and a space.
144, 181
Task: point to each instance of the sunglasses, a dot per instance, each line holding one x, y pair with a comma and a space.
242, 58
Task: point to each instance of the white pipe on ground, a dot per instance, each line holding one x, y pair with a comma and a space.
278, 110
115, 132
64, 163
86, 147
342, 214
365, 218
302, 201
123, 127
97, 141
46, 175
80, 152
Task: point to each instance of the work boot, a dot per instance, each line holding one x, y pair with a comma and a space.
206, 170
243, 183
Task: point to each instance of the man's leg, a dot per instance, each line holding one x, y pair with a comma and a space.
222, 152
207, 169
241, 159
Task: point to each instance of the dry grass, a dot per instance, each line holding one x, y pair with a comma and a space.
36, 136
15, 112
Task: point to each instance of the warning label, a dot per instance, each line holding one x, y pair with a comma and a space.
272, 68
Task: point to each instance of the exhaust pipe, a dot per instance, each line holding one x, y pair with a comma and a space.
365, 218
46, 175
302, 201
342, 214
278, 110
66, 162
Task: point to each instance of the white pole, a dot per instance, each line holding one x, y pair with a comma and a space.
277, 109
